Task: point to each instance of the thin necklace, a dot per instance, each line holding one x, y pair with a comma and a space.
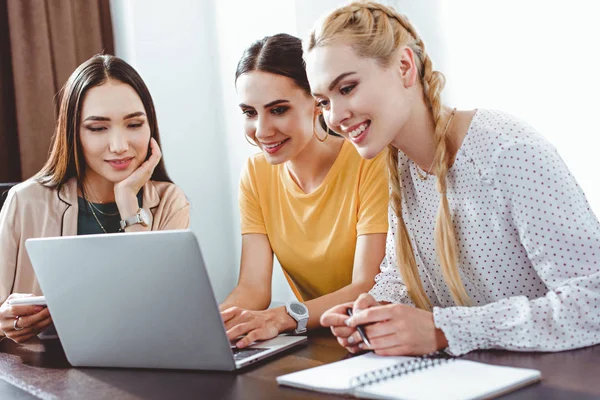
100, 211
96, 208
427, 173
97, 220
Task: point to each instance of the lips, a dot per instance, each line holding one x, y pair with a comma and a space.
120, 164
359, 133
274, 147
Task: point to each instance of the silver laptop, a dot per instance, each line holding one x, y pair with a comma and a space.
138, 300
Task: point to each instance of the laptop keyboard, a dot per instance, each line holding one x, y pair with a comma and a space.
240, 354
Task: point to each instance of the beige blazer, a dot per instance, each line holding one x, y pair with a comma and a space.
33, 211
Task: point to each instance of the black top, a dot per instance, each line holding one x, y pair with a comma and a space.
92, 215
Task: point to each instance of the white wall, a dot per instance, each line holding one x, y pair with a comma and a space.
535, 59
173, 47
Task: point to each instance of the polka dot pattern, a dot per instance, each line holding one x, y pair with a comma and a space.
528, 244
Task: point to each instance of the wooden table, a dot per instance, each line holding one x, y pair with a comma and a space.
41, 369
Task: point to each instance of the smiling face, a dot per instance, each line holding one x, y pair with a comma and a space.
114, 132
278, 114
362, 100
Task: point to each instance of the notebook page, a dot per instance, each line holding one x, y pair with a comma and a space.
335, 377
459, 379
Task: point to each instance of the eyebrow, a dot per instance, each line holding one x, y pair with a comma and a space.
128, 116
271, 104
336, 81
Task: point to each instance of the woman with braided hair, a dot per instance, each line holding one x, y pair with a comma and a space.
511, 261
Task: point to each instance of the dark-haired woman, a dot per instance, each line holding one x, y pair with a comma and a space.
294, 201
105, 172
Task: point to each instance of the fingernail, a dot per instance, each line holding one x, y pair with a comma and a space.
361, 346
38, 308
239, 344
347, 321
351, 339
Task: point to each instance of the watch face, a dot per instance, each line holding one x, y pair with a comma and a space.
298, 308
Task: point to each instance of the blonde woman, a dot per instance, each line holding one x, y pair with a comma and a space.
491, 243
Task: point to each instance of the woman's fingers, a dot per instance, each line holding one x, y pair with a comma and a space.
22, 336
32, 320
372, 315
262, 333
144, 172
350, 341
9, 313
342, 331
383, 328
43, 324
229, 314
156, 153
147, 168
241, 329
384, 342
333, 319
235, 317
363, 302
27, 333
22, 310
336, 316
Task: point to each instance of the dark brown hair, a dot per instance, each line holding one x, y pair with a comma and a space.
66, 159
279, 54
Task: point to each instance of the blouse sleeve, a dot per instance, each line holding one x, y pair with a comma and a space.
177, 210
388, 283
9, 244
561, 237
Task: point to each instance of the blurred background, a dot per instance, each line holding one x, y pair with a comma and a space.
538, 60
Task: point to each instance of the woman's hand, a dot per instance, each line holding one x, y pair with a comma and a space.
29, 320
335, 319
393, 329
127, 190
256, 325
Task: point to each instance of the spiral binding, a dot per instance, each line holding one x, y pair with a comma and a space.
414, 365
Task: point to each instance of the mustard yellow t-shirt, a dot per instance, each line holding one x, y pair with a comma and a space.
314, 235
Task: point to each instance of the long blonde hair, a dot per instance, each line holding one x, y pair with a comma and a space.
379, 32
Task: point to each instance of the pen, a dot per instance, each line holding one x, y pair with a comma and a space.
360, 329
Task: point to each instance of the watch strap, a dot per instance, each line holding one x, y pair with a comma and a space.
301, 327
134, 219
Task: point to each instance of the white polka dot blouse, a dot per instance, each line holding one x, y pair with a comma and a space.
528, 244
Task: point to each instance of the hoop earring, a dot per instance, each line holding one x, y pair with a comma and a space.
251, 143
315, 132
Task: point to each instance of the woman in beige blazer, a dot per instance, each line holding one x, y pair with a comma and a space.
104, 174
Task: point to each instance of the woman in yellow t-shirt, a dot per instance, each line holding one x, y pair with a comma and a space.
308, 197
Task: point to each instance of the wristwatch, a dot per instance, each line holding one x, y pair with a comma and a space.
141, 217
299, 312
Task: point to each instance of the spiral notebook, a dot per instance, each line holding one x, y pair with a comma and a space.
374, 377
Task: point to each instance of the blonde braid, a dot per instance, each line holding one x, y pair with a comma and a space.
372, 33
445, 236
404, 253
